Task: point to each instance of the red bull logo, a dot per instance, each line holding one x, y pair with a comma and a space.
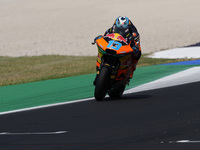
116, 36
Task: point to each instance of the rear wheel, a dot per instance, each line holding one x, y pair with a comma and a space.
101, 84
116, 92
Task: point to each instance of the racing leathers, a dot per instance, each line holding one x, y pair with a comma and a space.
132, 35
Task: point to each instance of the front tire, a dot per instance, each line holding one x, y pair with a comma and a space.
102, 84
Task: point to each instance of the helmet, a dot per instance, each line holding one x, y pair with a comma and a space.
121, 25
121, 22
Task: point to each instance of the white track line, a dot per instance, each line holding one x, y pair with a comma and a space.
184, 141
33, 133
45, 106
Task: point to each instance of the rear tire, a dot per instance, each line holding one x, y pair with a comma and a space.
116, 92
101, 87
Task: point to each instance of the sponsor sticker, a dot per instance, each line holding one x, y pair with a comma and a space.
117, 37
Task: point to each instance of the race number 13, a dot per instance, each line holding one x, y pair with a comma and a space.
114, 45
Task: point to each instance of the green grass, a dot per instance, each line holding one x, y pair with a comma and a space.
29, 69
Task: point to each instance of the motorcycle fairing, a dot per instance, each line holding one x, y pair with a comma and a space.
114, 45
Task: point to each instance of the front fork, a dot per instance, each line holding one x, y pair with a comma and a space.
113, 72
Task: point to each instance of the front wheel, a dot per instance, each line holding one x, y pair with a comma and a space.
102, 84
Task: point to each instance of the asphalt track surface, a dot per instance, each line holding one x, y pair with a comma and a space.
152, 120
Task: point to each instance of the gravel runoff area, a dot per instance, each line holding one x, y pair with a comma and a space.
65, 27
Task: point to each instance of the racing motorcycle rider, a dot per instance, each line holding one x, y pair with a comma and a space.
122, 23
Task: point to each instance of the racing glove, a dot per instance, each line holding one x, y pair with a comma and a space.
136, 53
135, 49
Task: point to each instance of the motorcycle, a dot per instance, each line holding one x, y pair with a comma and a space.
114, 65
